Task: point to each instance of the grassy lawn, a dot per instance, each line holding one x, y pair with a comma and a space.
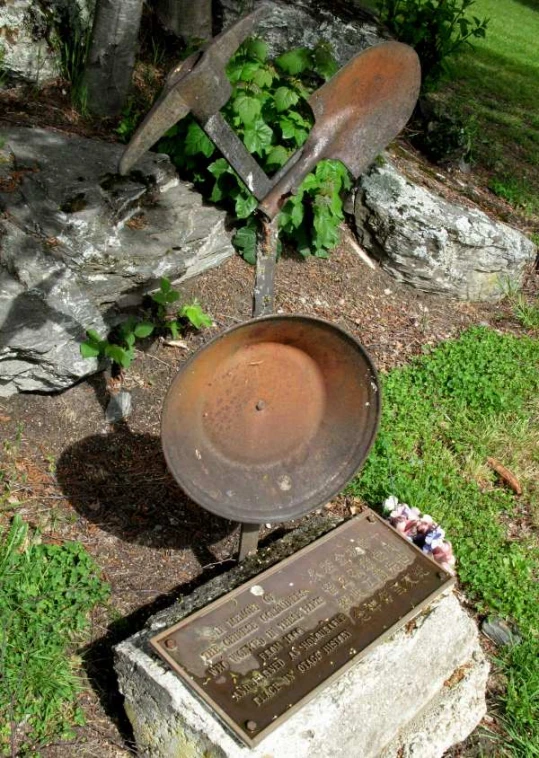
46, 593
443, 416
498, 84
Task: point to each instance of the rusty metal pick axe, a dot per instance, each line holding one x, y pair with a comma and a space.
357, 113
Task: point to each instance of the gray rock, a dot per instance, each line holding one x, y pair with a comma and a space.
119, 407
435, 245
70, 255
500, 632
346, 26
416, 694
30, 38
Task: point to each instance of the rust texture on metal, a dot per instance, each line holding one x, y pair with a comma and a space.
266, 260
259, 652
198, 85
357, 113
271, 419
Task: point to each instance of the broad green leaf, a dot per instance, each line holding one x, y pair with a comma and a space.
165, 284
88, 350
242, 72
285, 97
264, 77
295, 61
195, 315
144, 329
218, 167
118, 355
245, 205
196, 141
247, 107
130, 339
172, 296
217, 193
93, 336
255, 47
257, 136
245, 241
277, 156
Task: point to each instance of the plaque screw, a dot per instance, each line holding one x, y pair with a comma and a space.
252, 726
171, 644
260, 405
440, 575
371, 518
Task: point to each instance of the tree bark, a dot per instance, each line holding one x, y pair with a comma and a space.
112, 55
188, 19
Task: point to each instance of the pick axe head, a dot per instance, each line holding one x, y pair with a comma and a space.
198, 84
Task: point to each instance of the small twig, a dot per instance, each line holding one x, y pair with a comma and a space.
361, 253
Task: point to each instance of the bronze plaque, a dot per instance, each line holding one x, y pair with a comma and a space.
259, 652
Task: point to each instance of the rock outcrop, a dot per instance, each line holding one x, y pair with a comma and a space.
78, 243
347, 27
434, 245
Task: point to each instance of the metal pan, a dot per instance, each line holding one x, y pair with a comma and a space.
271, 418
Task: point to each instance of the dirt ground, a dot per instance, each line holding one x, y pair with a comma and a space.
80, 478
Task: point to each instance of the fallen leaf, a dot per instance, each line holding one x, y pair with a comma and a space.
505, 475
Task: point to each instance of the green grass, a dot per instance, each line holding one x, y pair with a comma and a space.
497, 83
443, 416
46, 592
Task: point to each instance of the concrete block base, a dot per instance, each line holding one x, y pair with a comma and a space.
416, 694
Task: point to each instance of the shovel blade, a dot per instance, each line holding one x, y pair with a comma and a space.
357, 114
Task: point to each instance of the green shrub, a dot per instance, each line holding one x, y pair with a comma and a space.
269, 111
435, 28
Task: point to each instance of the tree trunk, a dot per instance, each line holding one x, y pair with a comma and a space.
112, 55
189, 19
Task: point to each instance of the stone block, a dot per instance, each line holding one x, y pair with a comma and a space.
417, 694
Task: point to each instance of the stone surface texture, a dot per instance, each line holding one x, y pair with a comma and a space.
434, 245
416, 694
72, 256
346, 26
28, 35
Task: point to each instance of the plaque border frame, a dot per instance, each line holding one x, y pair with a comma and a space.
215, 708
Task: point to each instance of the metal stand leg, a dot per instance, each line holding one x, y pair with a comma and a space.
248, 540
266, 256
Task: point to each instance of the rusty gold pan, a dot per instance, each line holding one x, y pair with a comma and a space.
271, 419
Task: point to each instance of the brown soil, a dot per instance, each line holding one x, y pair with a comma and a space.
107, 486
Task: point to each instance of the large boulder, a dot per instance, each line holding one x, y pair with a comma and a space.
345, 25
80, 242
434, 245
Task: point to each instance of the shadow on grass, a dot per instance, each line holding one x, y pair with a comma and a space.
533, 4
500, 93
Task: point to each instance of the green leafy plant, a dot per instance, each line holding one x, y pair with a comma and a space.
74, 49
442, 417
119, 347
268, 109
435, 28
46, 593
192, 313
